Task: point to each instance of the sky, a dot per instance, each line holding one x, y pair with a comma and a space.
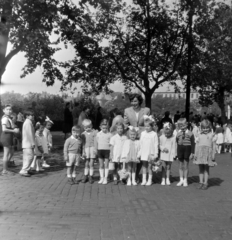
33, 83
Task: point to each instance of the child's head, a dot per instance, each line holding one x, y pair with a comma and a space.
39, 127
48, 123
87, 124
76, 131
182, 124
133, 133
205, 126
104, 125
29, 114
120, 128
7, 109
168, 130
149, 125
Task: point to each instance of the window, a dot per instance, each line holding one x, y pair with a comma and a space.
191, 95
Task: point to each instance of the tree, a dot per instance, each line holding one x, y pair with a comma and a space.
213, 73
140, 45
28, 25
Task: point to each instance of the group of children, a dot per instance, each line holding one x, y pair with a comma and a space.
128, 147
36, 142
125, 149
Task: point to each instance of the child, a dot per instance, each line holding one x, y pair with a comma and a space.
103, 151
39, 146
7, 136
227, 138
148, 149
218, 138
48, 138
130, 155
28, 143
116, 144
185, 150
195, 129
167, 152
73, 149
204, 155
89, 136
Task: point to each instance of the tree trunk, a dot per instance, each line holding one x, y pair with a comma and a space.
148, 96
221, 104
189, 66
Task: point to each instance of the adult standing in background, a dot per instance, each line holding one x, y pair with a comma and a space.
134, 116
97, 118
75, 113
20, 120
83, 115
68, 119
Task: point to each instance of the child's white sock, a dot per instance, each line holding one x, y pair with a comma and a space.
106, 173
91, 171
73, 175
86, 172
69, 175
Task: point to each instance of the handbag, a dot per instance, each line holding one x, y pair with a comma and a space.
111, 166
123, 174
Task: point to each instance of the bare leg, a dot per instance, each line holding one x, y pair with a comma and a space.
206, 174
6, 157
201, 173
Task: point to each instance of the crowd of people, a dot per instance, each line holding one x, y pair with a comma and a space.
129, 145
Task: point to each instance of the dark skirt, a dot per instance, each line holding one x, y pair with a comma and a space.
7, 139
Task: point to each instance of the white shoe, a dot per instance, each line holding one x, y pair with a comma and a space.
129, 182
105, 181
149, 183
134, 183
45, 165
185, 183
168, 182
39, 170
180, 183
144, 183
101, 181
163, 182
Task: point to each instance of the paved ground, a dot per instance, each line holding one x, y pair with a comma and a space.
45, 207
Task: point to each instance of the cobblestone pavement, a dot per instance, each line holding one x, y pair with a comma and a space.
46, 207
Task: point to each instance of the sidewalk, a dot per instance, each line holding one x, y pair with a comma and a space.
46, 207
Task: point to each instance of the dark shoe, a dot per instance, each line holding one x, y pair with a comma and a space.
204, 187
75, 181
115, 182
12, 164
70, 181
123, 181
85, 179
25, 174
200, 186
91, 180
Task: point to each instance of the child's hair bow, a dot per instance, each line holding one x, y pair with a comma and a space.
167, 125
133, 128
146, 117
48, 120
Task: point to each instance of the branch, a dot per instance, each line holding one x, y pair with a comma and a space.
128, 55
9, 56
124, 75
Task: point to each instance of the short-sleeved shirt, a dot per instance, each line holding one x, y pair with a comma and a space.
103, 140
7, 122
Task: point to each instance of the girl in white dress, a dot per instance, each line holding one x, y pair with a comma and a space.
148, 149
116, 144
130, 155
167, 152
218, 138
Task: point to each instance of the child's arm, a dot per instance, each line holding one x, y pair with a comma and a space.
156, 145
161, 143
66, 145
192, 139
96, 142
111, 147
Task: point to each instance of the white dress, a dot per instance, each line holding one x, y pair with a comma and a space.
219, 138
170, 144
148, 145
117, 142
227, 136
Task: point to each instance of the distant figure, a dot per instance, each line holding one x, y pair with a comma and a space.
20, 120
98, 118
68, 120
75, 113
165, 119
84, 115
176, 116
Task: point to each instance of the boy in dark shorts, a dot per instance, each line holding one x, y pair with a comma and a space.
185, 150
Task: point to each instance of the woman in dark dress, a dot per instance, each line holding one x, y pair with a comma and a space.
68, 120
